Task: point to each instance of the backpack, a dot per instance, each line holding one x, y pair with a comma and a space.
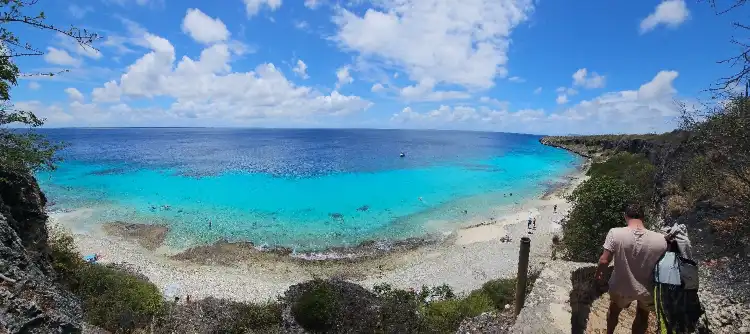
678, 308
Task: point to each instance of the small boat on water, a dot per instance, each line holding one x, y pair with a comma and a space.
402, 154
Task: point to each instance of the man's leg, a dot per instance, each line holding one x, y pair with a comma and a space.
613, 316
640, 323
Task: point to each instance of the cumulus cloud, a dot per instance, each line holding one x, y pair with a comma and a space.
670, 13
538, 90
74, 94
424, 91
253, 6
60, 57
34, 85
207, 88
651, 108
301, 69
343, 77
582, 78
312, 4
376, 88
516, 79
79, 12
202, 28
462, 43
563, 93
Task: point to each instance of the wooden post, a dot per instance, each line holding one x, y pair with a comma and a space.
523, 273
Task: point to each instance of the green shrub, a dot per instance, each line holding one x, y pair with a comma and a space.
316, 308
501, 291
66, 260
634, 170
111, 299
446, 315
597, 207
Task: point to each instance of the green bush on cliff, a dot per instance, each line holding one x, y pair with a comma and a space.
598, 202
444, 316
111, 299
597, 207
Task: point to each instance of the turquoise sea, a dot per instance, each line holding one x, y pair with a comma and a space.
308, 190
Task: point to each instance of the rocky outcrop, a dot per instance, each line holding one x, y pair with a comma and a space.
30, 301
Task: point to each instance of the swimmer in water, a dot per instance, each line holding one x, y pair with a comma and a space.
420, 199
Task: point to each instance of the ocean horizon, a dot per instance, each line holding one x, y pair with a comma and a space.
304, 189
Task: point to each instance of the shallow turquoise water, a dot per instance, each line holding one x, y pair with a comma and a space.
308, 211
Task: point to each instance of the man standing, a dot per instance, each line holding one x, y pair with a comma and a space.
636, 251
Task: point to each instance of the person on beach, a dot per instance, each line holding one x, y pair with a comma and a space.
554, 209
635, 251
534, 223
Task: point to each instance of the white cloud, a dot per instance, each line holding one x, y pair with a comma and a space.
343, 77
72, 46
376, 88
660, 85
138, 2
538, 90
302, 25
253, 6
583, 79
202, 28
454, 42
312, 4
670, 13
424, 91
79, 12
566, 90
651, 108
206, 88
74, 94
563, 93
301, 69
516, 79
60, 57
34, 85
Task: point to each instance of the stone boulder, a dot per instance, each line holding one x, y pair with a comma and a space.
30, 301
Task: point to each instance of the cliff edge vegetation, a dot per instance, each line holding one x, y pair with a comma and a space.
698, 175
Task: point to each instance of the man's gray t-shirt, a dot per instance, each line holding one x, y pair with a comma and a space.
636, 251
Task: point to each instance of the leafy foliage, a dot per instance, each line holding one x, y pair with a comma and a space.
598, 204
634, 170
111, 299
317, 307
25, 150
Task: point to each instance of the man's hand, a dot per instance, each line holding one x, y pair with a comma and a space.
599, 275
603, 264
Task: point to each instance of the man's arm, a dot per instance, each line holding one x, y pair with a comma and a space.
606, 257
604, 261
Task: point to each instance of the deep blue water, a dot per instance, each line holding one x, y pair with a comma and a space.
305, 189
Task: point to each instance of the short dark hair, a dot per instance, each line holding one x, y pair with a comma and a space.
634, 211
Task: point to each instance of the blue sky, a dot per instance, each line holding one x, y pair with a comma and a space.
547, 67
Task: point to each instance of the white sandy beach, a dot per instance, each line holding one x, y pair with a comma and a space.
465, 260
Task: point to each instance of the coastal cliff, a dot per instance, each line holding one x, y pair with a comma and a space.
718, 232
29, 299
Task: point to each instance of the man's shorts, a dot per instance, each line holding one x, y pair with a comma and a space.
644, 302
